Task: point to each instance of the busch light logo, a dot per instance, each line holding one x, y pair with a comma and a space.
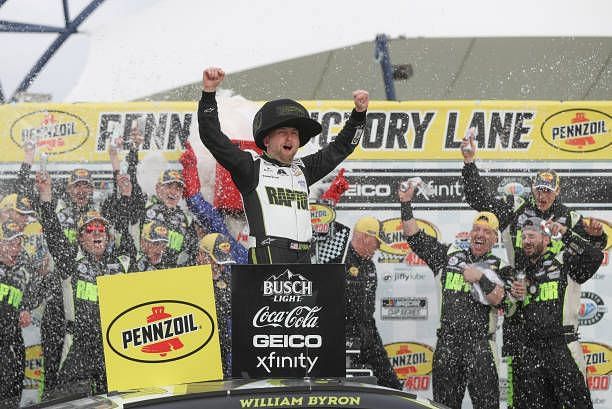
592, 308
287, 287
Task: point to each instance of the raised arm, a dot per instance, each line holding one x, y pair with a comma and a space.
426, 247
238, 162
319, 164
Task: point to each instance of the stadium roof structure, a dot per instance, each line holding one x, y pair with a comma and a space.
525, 68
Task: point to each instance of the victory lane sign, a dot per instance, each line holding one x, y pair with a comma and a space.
288, 320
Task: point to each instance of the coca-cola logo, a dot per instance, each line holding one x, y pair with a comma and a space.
300, 316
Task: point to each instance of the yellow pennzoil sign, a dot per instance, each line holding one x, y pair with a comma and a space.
159, 328
421, 130
394, 241
598, 358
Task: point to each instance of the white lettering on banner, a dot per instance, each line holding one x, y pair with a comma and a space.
287, 341
162, 130
274, 361
287, 288
299, 317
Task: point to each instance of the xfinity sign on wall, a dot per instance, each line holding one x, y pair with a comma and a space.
288, 320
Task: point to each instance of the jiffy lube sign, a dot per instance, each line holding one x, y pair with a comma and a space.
288, 320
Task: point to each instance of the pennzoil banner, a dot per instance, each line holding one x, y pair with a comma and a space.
159, 328
423, 130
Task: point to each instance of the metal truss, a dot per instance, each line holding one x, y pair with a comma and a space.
70, 27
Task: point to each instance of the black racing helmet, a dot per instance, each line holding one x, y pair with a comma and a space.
280, 113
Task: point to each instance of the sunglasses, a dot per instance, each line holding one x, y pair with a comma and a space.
95, 227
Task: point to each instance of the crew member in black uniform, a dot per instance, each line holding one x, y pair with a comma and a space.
82, 363
552, 357
360, 301
216, 250
13, 310
512, 211
274, 186
465, 349
153, 244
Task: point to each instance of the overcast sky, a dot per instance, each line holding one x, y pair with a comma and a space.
131, 48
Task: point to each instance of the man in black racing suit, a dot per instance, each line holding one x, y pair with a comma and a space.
82, 361
465, 350
553, 363
274, 185
512, 211
360, 301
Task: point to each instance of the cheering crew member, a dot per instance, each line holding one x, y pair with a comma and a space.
164, 208
360, 300
14, 307
206, 214
153, 244
274, 186
216, 249
82, 355
512, 211
464, 353
553, 364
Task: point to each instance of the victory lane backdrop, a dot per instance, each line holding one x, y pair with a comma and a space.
159, 328
288, 320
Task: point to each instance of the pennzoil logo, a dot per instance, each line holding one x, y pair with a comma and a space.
598, 359
160, 331
53, 132
394, 248
412, 363
577, 130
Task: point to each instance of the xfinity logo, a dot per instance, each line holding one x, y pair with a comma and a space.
287, 287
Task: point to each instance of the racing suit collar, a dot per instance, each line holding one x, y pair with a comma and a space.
264, 155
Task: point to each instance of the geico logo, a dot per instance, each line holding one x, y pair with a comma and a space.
300, 316
287, 288
158, 331
287, 341
369, 190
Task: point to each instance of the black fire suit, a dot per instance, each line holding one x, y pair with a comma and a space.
14, 298
512, 211
82, 357
465, 350
551, 354
275, 195
360, 326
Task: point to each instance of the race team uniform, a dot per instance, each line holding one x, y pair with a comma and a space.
512, 211
275, 195
360, 326
552, 359
82, 356
465, 350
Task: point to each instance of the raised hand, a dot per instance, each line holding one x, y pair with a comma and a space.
361, 99
211, 78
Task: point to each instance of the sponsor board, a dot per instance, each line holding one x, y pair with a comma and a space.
412, 363
292, 324
322, 216
598, 359
160, 333
431, 130
592, 308
394, 248
405, 275
449, 190
404, 308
